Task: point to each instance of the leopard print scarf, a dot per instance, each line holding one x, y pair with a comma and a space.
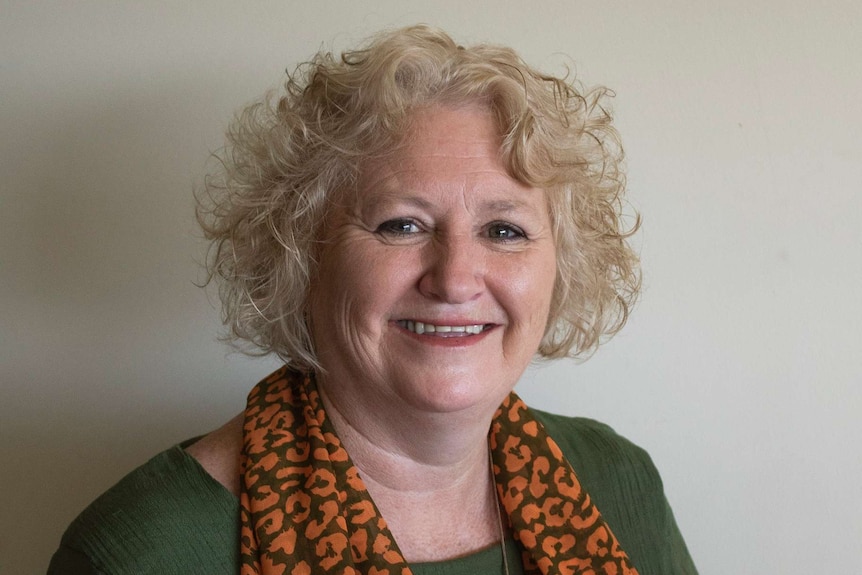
304, 508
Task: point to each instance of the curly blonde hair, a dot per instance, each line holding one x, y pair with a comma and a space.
287, 156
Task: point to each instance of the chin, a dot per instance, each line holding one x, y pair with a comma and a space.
455, 394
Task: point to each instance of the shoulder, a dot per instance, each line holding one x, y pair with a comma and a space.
626, 487
596, 451
218, 453
619, 475
167, 516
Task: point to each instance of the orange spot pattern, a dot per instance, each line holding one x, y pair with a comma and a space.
551, 516
304, 507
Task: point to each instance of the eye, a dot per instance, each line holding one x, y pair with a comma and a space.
398, 227
503, 231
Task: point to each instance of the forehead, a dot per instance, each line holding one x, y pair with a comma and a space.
466, 131
447, 152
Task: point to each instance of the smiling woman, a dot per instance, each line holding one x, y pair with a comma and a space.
407, 226
440, 237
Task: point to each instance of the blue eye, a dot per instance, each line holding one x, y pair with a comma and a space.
503, 231
398, 227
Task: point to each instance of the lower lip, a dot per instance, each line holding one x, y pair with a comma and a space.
449, 339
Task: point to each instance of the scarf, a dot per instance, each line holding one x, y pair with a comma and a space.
305, 509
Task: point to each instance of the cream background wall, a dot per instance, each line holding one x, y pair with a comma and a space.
739, 371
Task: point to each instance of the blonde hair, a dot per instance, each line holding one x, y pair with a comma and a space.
288, 155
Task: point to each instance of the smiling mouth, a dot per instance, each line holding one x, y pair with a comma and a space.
422, 328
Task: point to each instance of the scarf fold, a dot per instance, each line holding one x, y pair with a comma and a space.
305, 509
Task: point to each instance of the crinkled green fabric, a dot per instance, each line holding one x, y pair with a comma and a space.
170, 516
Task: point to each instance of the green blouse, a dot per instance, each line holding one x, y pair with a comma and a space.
170, 516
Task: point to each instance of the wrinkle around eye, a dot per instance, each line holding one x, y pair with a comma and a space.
512, 232
399, 229
398, 226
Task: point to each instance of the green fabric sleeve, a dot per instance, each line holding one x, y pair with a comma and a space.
167, 516
70, 561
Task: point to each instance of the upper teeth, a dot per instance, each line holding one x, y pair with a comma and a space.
421, 328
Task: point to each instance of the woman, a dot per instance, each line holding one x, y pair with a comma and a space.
407, 227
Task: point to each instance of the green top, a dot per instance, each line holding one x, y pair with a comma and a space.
171, 516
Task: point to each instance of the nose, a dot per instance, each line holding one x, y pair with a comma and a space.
454, 270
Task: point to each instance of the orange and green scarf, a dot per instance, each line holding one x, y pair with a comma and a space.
305, 509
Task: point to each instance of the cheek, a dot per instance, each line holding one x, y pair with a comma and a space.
524, 289
364, 282
333, 293
537, 289
549, 277
540, 273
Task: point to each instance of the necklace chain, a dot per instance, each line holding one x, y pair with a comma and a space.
499, 514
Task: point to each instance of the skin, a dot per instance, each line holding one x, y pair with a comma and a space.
441, 234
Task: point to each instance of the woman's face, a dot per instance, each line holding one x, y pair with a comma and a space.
435, 279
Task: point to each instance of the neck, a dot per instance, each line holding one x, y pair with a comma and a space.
426, 473
399, 446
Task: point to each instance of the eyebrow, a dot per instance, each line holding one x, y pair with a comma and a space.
507, 205
415, 201
500, 205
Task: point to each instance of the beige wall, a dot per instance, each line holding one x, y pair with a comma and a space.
739, 372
